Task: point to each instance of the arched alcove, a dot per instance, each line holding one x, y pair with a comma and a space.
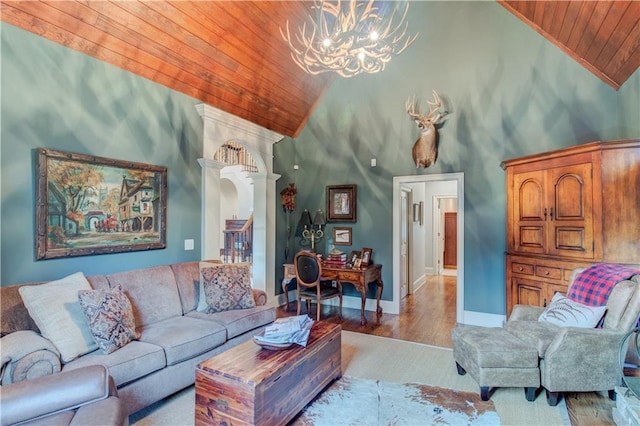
219, 128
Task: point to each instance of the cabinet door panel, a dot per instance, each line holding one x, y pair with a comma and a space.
529, 207
528, 292
571, 220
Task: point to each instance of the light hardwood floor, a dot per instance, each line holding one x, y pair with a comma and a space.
427, 316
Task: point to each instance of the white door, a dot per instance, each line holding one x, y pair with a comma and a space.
405, 242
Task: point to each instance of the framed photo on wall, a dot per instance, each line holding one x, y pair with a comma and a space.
341, 203
88, 205
342, 236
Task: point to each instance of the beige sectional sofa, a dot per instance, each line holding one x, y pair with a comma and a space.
173, 336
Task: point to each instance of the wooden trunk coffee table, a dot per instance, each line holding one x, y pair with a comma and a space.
251, 385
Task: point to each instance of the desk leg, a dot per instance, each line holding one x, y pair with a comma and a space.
285, 285
363, 296
379, 308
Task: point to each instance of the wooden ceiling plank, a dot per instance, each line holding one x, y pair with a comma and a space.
629, 67
548, 15
293, 85
538, 14
289, 85
559, 16
188, 59
595, 23
149, 68
609, 24
563, 47
278, 50
582, 19
626, 54
628, 20
569, 21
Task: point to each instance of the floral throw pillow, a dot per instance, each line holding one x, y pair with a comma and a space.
110, 317
227, 287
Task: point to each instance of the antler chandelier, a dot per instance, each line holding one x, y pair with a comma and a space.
350, 37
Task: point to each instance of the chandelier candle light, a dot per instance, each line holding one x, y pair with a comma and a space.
350, 37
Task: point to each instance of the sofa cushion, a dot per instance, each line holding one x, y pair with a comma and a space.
55, 308
110, 317
135, 360
227, 287
153, 293
623, 305
536, 334
565, 312
183, 337
239, 321
202, 299
187, 276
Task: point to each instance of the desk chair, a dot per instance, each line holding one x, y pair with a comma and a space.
310, 285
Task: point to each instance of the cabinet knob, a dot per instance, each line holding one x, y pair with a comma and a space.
520, 268
546, 272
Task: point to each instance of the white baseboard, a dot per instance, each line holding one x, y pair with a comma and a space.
483, 319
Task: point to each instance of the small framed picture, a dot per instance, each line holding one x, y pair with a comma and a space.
366, 256
342, 203
342, 236
353, 256
357, 263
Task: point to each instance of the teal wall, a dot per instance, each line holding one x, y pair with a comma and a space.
629, 106
54, 97
512, 93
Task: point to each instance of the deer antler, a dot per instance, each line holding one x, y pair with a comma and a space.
432, 116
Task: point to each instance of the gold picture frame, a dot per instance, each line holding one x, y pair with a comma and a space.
87, 205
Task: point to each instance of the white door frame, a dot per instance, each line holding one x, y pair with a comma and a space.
408, 192
398, 181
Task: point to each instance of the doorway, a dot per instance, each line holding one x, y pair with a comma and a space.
445, 243
454, 184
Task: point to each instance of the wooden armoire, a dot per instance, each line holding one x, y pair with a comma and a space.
570, 208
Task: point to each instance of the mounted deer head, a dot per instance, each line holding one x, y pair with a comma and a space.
425, 150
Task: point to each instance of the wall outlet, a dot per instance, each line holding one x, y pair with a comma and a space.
188, 244
374, 162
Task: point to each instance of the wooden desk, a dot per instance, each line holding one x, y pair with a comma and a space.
360, 278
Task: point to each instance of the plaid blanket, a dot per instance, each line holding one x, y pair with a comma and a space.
592, 286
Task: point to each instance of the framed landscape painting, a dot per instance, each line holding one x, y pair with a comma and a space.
88, 205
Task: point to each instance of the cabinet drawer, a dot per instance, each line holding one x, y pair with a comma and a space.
522, 268
350, 277
547, 272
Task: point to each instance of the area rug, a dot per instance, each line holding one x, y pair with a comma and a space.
354, 401
388, 360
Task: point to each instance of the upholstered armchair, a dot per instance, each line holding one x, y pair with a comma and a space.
574, 359
82, 396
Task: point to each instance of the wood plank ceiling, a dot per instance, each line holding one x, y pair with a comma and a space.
230, 54
603, 36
